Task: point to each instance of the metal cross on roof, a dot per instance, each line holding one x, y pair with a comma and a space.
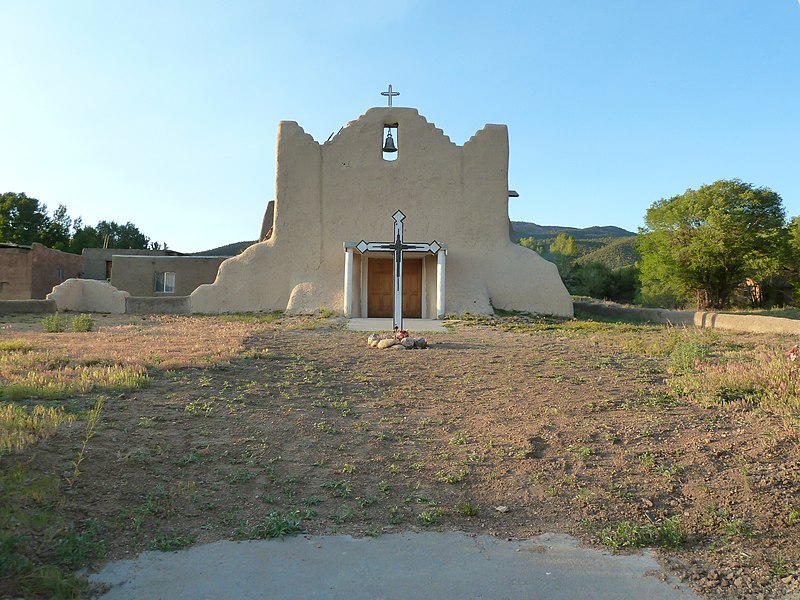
398, 247
390, 93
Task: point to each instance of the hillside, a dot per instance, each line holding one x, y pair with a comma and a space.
522, 229
618, 253
588, 240
227, 250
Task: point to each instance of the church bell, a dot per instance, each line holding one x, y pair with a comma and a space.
388, 145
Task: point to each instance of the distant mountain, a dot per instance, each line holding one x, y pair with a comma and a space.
522, 229
588, 239
227, 250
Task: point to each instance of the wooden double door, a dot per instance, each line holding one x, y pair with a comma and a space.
380, 287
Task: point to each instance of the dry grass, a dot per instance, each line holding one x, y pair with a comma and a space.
615, 433
20, 427
162, 340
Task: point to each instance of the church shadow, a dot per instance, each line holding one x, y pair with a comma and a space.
452, 346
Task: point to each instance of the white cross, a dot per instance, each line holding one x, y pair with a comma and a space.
398, 246
390, 93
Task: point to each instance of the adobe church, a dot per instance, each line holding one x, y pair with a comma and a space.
333, 200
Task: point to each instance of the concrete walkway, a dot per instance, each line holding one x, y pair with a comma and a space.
443, 566
410, 325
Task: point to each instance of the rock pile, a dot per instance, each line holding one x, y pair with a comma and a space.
399, 341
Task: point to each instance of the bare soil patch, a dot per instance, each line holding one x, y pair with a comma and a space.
248, 426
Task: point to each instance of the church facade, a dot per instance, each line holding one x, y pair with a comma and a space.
330, 197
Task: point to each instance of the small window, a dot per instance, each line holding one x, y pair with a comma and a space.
165, 282
59, 274
108, 270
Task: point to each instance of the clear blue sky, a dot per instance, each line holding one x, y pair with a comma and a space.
164, 113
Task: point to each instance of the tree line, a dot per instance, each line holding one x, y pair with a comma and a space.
723, 244
24, 220
593, 278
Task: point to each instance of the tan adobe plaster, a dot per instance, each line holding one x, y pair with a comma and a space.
30, 272
137, 274
89, 295
344, 191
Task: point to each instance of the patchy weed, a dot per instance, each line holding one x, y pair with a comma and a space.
432, 516
667, 533
169, 542
468, 509
276, 525
340, 488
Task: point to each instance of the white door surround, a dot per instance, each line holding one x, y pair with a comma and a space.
350, 247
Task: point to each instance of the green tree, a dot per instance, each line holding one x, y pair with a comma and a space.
83, 236
794, 240
563, 252
598, 280
57, 230
704, 243
25, 220
108, 234
22, 219
121, 236
533, 244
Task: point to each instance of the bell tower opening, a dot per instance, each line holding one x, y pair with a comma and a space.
390, 141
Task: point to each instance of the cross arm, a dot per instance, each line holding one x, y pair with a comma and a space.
432, 247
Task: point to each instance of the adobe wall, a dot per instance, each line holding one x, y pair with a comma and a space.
88, 295
344, 190
51, 267
163, 305
136, 274
15, 307
700, 319
94, 259
15, 273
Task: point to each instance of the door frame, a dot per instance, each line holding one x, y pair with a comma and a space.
347, 295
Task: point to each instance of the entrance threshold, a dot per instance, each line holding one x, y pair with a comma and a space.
385, 325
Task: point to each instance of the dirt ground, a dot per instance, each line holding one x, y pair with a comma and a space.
498, 428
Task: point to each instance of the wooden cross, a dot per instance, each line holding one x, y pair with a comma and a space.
390, 93
398, 247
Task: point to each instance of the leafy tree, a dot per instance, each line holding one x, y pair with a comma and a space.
704, 243
122, 236
56, 232
564, 245
598, 280
533, 244
563, 253
794, 240
25, 220
83, 236
108, 234
781, 273
22, 219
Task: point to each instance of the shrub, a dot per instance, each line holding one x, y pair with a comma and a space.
53, 323
687, 353
82, 323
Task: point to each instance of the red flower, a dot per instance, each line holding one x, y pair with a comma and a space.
793, 355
